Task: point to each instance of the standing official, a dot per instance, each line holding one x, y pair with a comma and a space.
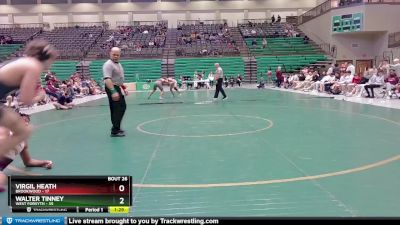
219, 77
113, 75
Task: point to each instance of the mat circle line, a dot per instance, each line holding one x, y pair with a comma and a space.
141, 129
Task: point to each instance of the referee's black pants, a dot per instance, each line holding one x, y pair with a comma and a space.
219, 88
117, 109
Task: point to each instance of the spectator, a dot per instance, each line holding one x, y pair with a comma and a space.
384, 66
351, 69
211, 78
367, 75
226, 82
279, 77
306, 39
64, 102
391, 81
396, 66
264, 42
261, 83
279, 19
375, 81
52, 90
273, 19
231, 81
239, 80
336, 69
330, 70
325, 80
254, 43
345, 81
269, 77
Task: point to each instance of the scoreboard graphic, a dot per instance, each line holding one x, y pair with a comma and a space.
63, 194
347, 23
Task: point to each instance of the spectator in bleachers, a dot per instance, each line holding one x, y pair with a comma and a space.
254, 43
306, 39
303, 83
64, 102
398, 88
52, 90
286, 78
359, 87
40, 95
279, 19
239, 80
273, 19
261, 83
343, 67
345, 81
336, 89
336, 69
384, 65
315, 77
279, 77
11, 101
291, 80
7, 39
327, 85
269, 77
211, 79
352, 87
330, 69
376, 81
232, 81
351, 68
396, 66
325, 80
391, 82
368, 73
226, 81
264, 42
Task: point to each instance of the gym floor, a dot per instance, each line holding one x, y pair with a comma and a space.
260, 153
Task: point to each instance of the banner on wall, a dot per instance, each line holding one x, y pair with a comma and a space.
144, 86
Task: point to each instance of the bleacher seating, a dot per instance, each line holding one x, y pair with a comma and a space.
129, 38
232, 66
288, 63
63, 69
281, 46
72, 42
7, 50
262, 30
135, 70
20, 35
205, 39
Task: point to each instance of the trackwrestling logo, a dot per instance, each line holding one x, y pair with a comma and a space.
33, 220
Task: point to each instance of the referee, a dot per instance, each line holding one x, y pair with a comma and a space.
113, 75
219, 77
